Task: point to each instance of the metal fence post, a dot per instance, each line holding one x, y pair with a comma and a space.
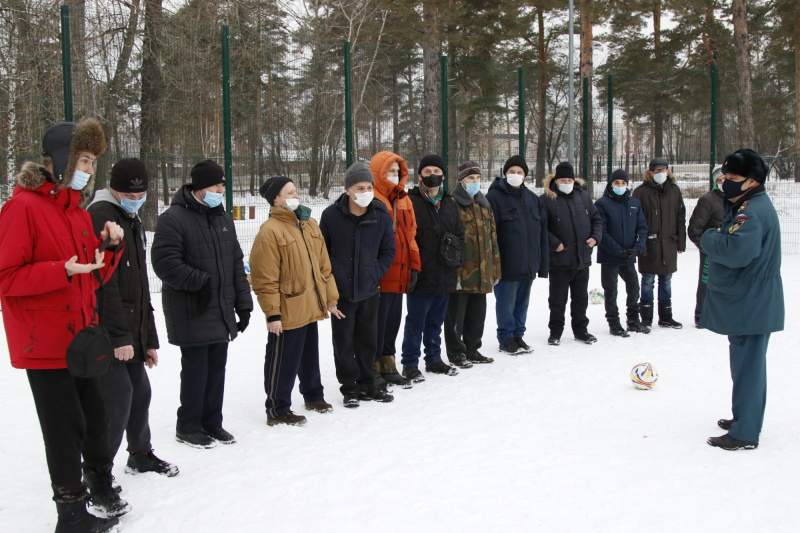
66, 63
348, 108
445, 123
713, 150
585, 132
226, 116
521, 111
610, 162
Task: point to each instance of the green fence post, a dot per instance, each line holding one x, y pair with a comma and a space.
585, 132
445, 123
348, 108
226, 116
521, 110
713, 151
610, 162
66, 63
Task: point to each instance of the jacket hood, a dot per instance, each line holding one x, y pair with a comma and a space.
648, 177
185, 198
379, 164
551, 189
32, 176
104, 195
461, 196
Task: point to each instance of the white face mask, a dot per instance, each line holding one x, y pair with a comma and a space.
660, 178
79, 180
394, 179
363, 199
292, 203
566, 188
515, 180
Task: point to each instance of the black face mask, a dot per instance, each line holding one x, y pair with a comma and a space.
434, 180
733, 189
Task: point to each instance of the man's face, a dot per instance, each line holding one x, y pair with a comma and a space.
358, 188
86, 162
619, 183
564, 181
288, 191
739, 179
393, 170
472, 178
515, 170
431, 169
219, 187
132, 195
659, 169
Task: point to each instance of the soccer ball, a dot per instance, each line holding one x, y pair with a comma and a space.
644, 376
596, 296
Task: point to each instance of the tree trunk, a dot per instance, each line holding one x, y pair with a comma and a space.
395, 116
431, 53
797, 91
151, 128
587, 71
658, 117
741, 41
543, 80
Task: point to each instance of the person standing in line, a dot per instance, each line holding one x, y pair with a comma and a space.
707, 214
360, 241
128, 317
466, 308
665, 213
49, 259
745, 292
291, 275
524, 251
574, 228
198, 258
391, 173
436, 215
624, 235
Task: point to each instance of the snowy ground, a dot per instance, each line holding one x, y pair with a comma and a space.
555, 441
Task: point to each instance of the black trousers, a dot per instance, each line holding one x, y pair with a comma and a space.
126, 393
291, 355
608, 279
463, 324
202, 387
354, 345
564, 284
390, 314
702, 286
74, 425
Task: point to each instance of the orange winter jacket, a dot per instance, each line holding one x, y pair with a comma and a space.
401, 212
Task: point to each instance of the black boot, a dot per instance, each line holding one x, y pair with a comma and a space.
104, 499
646, 310
665, 317
74, 518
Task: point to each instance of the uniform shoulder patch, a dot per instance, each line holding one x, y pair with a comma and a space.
738, 222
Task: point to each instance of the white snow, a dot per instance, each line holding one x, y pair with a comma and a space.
556, 441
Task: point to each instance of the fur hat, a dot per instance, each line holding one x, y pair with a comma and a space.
271, 188
129, 175
565, 170
432, 160
515, 161
747, 163
65, 141
357, 173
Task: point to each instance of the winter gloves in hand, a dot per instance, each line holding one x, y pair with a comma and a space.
244, 320
413, 282
628, 254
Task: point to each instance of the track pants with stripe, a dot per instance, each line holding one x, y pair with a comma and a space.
292, 354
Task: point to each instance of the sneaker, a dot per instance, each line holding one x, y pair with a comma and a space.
725, 423
396, 379
220, 435
105, 502
351, 401
512, 347
196, 440
412, 373
586, 338
478, 358
380, 396
618, 331
669, 323
638, 327
726, 442
441, 368
462, 363
522, 344
288, 418
146, 461
553, 340
320, 406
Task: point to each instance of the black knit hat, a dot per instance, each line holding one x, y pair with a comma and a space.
206, 174
618, 174
515, 161
272, 188
432, 160
747, 163
129, 175
468, 168
657, 162
565, 170
356, 173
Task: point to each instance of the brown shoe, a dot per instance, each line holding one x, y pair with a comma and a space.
320, 406
288, 418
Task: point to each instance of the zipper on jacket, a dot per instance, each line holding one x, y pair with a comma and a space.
311, 261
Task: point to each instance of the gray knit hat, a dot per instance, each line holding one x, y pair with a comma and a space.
357, 173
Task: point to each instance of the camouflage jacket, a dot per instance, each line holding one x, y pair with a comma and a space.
481, 268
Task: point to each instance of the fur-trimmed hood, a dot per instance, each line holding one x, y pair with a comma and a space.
648, 176
552, 191
32, 176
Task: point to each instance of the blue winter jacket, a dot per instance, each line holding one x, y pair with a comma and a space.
521, 232
361, 251
624, 227
745, 291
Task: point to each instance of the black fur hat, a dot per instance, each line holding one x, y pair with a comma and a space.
746, 162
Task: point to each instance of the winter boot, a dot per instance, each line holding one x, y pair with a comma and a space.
646, 310
146, 461
665, 317
389, 372
616, 329
74, 518
104, 499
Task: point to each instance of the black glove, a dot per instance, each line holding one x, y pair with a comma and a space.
631, 254
244, 320
204, 295
413, 282
623, 254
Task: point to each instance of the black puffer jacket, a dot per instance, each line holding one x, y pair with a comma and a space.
708, 214
127, 311
435, 278
195, 243
665, 214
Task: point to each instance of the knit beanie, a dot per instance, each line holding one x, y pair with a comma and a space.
657, 162
272, 188
357, 173
565, 170
747, 163
129, 175
515, 161
432, 160
618, 174
206, 174
468, 168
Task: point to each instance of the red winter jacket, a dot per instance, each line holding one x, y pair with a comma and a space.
41, 228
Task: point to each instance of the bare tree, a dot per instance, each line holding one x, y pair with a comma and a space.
741, 36
151, 126
431, 54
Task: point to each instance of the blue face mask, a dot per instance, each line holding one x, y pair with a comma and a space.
79, 180
212, 199
619, 191
132, 206
473, 188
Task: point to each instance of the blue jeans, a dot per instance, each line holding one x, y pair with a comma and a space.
664, 288
511, 307
423, 326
